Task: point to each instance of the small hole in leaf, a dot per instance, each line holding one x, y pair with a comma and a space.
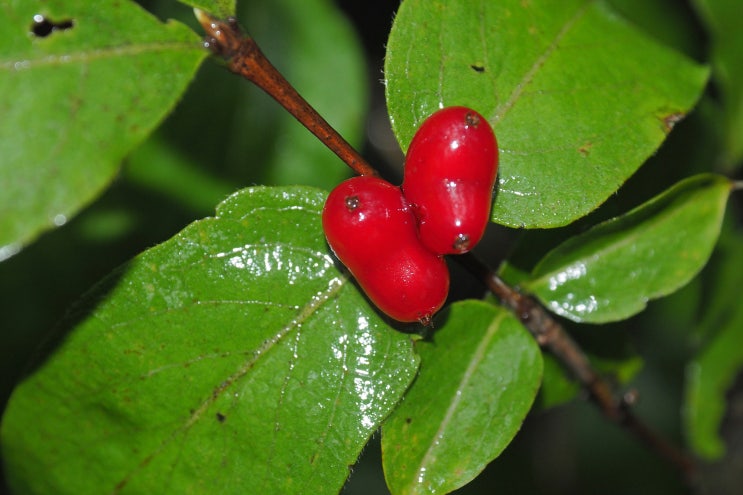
221, 417
43, 26
477, 67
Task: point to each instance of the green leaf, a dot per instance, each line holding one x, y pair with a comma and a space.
724, 22
233, 357
709, 376
578, 98
611, 271
160, 167
664, 21
478, 379
715, 368
76, 100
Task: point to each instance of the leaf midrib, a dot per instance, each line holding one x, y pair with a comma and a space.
335, 284
501, 111
477, 358
16, 65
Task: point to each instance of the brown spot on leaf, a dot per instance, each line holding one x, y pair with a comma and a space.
671, 120
585, 148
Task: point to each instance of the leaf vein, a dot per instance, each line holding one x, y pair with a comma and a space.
334, 286
95, 54
538, 63
477, 358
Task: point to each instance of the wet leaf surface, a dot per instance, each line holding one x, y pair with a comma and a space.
610, 272
479, 376
235, 356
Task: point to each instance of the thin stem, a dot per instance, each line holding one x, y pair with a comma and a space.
244, 57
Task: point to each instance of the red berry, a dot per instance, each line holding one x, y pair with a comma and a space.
371, 229
450, 170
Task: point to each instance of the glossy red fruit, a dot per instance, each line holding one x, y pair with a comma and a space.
371, 229
450, 171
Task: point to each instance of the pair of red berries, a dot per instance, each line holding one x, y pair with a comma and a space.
393, 239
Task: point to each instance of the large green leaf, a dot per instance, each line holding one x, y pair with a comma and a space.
714, 370
478, 379
578, 98
76, 99
611, 271
233, 358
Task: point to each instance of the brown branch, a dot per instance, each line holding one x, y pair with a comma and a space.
552, 336
244, 57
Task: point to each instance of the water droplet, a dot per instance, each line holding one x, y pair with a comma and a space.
421, 475
9, 250
59, 219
